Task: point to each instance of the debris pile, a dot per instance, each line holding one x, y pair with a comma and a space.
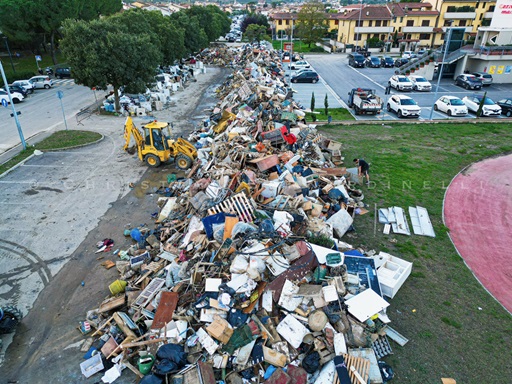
244, 278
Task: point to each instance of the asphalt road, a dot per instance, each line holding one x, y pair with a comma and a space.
341, 78
41, 111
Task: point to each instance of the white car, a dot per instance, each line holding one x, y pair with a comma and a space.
419, 83
400, 83
41, 82
404, 106
25, 84
451, 105
490, 108
299, 65
16, 97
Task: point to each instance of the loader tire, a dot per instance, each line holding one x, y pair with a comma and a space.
13, 313
183, 162
152, 160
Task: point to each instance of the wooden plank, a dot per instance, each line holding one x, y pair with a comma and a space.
165, 309
361, 367
121, 324
112, 303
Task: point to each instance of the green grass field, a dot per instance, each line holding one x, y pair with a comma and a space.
456, 329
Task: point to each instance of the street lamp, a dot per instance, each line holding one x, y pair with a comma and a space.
359, 22
447, 45
9, 52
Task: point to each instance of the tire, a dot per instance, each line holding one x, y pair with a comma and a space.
16, 101
356, 110
449, 112
399, 113
508, 113
466, 86
58, 77
46, 86
435, 107
314, 81
294, 81
12, 313
152, 160
183, 162
388, 107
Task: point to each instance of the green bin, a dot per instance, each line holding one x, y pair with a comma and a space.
145, 363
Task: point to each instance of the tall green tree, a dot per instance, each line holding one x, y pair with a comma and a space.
104, 53
29, 21
311, 26
163, 32
254, 18
196, 38
255, 32
212, 19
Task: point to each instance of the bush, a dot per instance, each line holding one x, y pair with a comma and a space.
316, 49
20, 75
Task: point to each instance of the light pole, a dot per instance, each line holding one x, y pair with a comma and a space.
14, 113
359, 22
9, 52
446, 45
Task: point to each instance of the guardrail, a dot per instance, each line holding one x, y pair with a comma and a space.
86, 112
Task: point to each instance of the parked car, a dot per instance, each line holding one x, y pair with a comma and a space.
41, 82
298, 72
490, 108
387, 62
403, 106
401, 61
468, 81
25, 84
62, 72
400, 83
421, 52
485, 78
419, 83
15, 96
306, 77
409, 55
506, 106
372, 62
356, 60
451, 105
300, 64
17, 88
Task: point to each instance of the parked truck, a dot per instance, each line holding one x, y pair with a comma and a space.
364, 101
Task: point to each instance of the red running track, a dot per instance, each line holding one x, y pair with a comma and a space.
478, 212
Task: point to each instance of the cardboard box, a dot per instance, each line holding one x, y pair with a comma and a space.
220, 330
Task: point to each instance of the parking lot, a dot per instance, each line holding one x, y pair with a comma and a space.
337, 75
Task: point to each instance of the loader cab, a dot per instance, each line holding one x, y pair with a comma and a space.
156, 148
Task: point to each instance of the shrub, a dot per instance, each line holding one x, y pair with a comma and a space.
316, 49
20, 75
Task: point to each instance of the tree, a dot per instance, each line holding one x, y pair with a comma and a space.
312, 106
255, 32
166, 35
29, 21
212, 19
196, 38
254, 19
326, 105
103, 52
311, 26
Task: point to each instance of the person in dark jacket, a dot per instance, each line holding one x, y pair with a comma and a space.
363, 169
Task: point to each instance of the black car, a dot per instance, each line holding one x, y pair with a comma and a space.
356, 60
17, 88
387, 62
372, 62
62, 72
401, 61
305, 77
506, 106
468, 81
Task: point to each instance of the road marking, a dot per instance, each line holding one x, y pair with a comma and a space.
367, 77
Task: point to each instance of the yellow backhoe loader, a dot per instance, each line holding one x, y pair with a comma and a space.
154, 145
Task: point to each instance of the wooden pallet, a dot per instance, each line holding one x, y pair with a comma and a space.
362, 366
238, 205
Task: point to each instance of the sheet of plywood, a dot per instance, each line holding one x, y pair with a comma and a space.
165, 309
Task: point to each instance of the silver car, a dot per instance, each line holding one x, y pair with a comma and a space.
41, 82
25, 84
485, 78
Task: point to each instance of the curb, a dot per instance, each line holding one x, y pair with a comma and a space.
51, 150
16, 165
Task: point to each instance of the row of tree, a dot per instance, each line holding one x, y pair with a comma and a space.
125, 49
